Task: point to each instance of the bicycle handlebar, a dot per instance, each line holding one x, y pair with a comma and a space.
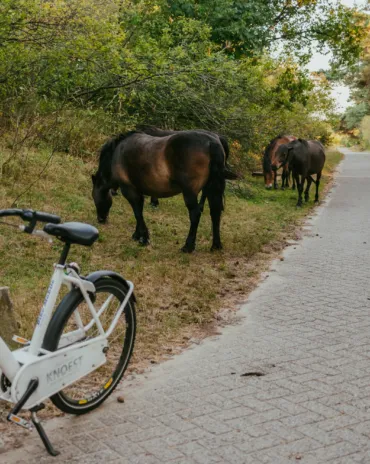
31, 216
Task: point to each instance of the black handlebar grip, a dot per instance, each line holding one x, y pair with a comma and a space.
11, 212
30, 215
46, 217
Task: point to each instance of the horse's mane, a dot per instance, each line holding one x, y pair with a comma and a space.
266, 155
106, 154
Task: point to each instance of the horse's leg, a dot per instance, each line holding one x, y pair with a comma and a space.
114, 190
216, 206
300, 189
287, 175
317, 187
293, 180
136, 201
275, 180
154, 202
307, 191
202, 200
283, 180
191, 202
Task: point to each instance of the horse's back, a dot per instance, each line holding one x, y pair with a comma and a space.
188, 140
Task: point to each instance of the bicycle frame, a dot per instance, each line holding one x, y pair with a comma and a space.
15, 364
32, 374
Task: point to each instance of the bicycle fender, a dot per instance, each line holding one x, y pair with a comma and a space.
94, 276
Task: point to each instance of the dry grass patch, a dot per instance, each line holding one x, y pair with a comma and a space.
173, 289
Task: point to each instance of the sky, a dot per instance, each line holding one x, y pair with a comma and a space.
319, 61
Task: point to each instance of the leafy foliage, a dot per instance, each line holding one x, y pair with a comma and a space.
355, 114
358, 78
252, 27
73, 71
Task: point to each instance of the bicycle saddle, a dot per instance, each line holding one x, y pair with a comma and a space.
73, 232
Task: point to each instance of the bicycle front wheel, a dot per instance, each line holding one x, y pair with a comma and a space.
89, 392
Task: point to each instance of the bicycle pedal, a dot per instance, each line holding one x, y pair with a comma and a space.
20, 421
20, 340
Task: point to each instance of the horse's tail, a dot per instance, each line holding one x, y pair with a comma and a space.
229, 173
225, 145
216, 182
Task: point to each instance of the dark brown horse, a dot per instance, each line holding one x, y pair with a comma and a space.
156, 132
305, 158
185, 162
269, 159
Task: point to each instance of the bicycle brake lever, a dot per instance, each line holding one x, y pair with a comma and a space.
38, 233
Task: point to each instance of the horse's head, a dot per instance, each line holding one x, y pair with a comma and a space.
268, 179
102, 196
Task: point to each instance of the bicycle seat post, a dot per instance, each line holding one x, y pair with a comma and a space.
64, 254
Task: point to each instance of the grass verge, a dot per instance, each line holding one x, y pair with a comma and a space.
179, 296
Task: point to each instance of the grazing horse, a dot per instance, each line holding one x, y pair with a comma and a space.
156, 132
140, 164
269, 159
305, 158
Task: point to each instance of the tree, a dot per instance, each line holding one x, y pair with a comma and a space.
249, 28
354, 115
91, 67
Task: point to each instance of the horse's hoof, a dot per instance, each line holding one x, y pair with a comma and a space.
135, 236
299, 205
143, 241
282, 188
316, 201
216, 247
154, 205
187, 249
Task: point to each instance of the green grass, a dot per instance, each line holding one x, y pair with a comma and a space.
178, 295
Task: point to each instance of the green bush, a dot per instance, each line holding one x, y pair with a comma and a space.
80, 74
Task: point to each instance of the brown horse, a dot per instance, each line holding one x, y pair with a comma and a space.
156, 132
185, 162
305, 158
269, 159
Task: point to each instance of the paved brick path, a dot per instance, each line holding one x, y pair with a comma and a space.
307, 328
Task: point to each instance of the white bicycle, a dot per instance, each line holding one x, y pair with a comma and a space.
79, 352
